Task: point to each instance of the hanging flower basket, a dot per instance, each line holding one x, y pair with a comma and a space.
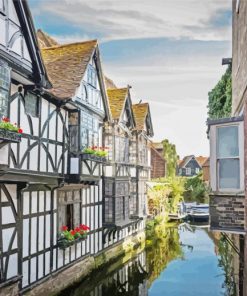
68, 237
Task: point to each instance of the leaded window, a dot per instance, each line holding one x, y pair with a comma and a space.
92, 76
32, 104
4, 88
89, 129
143, 151
122, 149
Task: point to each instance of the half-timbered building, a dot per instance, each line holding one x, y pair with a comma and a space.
49, 175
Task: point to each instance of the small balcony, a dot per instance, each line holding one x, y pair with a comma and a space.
85, 168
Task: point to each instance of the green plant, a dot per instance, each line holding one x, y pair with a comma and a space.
196, 189
220, 97
88, 150
7, 125
98, 151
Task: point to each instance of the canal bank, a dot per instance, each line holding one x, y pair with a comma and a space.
184, 260
89, 266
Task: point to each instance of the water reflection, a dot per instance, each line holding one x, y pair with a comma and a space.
183, 260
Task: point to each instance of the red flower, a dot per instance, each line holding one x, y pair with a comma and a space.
20, 131
84, 227
72, 232
77, 229
5, 119
64, 228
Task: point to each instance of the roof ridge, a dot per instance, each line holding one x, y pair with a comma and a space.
71, 44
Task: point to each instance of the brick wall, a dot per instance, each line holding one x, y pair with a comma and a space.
158, 164
227, 213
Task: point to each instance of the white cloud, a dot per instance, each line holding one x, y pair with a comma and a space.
115, 19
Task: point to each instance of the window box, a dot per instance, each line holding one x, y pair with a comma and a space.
9, 136
227, 155
88, 156
63, 243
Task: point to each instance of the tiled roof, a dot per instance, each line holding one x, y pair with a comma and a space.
45, 40
201, 160
206, 162
158, 145
140, 113
184, 160
66, 65
117, 98
109, 83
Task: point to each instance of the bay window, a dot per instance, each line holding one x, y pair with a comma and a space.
89, 129
121, 149
226, 155
4, 88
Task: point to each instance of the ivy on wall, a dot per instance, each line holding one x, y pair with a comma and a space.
171, 157
220, 97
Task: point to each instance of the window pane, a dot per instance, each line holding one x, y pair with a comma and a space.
229, 173
227, 145
32, 104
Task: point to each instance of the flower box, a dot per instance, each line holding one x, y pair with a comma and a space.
9, 136
63, 243
89, 156
68, 237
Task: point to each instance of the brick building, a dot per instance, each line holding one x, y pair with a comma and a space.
158, 163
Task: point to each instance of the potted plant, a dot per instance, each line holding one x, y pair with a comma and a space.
9, 131
95, 153
68, 237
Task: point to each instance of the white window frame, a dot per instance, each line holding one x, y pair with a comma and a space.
214, 168
188, 171
197, 170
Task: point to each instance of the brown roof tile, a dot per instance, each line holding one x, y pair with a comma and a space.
66, 65
117, 98
201, 160
45, 40
140, 113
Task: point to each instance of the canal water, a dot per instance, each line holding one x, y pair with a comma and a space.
180, 261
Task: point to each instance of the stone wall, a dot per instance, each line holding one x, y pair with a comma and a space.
227, 213
11, 290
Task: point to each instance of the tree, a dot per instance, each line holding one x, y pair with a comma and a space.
171, 158
220, 97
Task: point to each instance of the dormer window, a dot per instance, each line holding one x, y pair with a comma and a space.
4, 88
227, 155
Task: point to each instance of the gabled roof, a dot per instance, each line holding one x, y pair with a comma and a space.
206, 162
45, 40
66, 65
184, 161
201, 160
158, 145
117, 98
143, 117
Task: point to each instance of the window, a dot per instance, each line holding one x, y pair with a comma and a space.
92, 76
197, 170
4, 88
122, 149
32, 104
70, 216
188, 171
89, 130
226, 155
237, 6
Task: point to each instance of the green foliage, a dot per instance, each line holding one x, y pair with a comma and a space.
171, 157
196, 189
226, 261
220, 97
165, 196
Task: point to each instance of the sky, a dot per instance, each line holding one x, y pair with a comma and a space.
169, 51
